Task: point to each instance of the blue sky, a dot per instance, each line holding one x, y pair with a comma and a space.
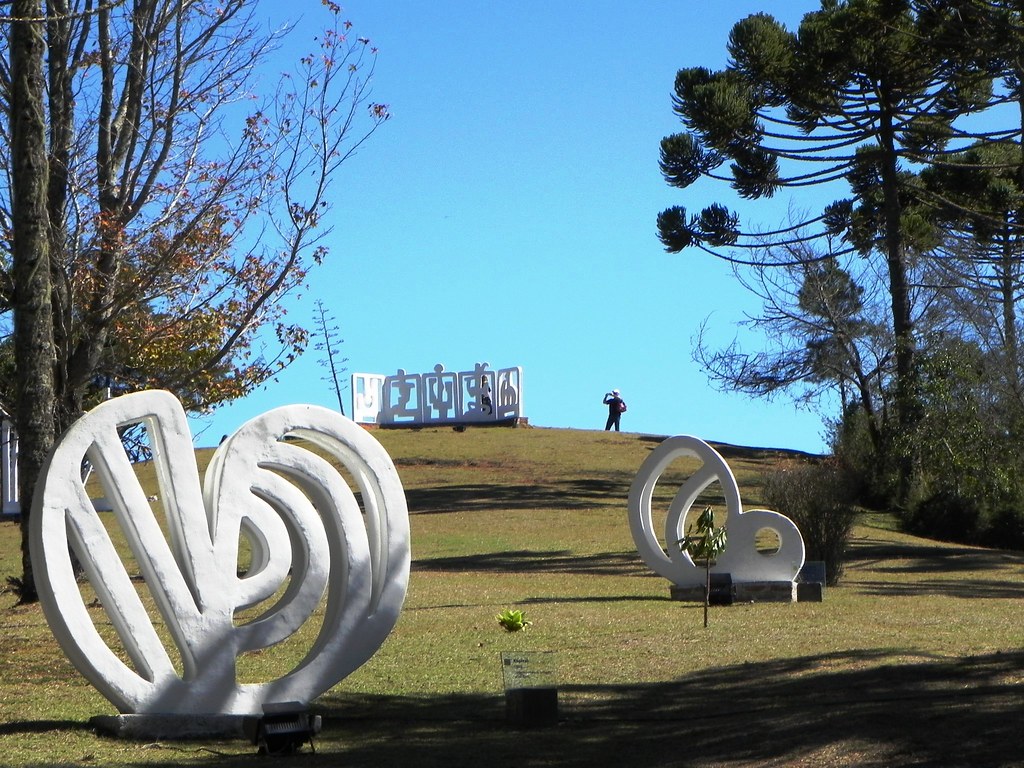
506, 213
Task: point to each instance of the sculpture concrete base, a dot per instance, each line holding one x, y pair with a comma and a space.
722, 591
459, 426
810, 582
766, 592
741, 592
810, 592
169, 727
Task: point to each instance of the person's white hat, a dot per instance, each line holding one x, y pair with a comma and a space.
615, 391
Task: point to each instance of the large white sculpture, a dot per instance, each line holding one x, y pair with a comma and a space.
741, 560
311, 545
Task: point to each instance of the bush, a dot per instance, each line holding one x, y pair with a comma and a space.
817, 498
870, 479
1005, 530
946, 516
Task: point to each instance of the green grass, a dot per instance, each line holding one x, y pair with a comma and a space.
915, 659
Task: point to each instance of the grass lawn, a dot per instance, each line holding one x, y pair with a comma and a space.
915, 659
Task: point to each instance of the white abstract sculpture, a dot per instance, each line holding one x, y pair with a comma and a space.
311, 546
741, 559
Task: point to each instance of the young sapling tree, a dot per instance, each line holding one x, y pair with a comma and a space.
705, 544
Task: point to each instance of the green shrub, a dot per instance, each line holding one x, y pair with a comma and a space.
1005, 529
818, 499
870, 478
947, 516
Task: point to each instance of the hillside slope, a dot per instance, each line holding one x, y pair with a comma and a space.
915, 659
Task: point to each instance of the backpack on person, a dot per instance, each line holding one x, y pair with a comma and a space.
622, 406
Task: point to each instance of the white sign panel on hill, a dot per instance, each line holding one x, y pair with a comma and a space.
438, 396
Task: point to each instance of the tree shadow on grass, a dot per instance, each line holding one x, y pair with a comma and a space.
600, 599
930, 559
539, 561
955, 588
879, 707
900, 561
479, 497
864, 708
749, 453
41, 726
739, 452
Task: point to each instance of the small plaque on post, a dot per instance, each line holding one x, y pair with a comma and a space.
533, 669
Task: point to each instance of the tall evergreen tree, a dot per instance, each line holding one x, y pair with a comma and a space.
858, 94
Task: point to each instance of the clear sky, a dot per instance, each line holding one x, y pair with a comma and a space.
506, 213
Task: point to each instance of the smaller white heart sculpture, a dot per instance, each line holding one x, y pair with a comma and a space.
741, 558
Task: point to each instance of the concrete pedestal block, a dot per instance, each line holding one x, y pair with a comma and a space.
721, 593
809, 592
169, 727
748, 592
810, 582
765, 592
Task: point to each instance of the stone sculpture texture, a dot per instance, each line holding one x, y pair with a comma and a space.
741, 558
311, 545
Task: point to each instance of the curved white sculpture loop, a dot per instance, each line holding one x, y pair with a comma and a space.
741, 559
306, 533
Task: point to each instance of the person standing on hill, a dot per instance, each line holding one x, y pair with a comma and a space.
616, 407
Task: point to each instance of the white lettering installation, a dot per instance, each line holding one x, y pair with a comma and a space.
311, 547
438, 396
741, 558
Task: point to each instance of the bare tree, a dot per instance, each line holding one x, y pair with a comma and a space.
824, 329
181, 198
29, 275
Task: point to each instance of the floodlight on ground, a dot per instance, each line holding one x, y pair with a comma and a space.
282, 729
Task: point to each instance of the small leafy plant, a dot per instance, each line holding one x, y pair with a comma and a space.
706, 544
513, 620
